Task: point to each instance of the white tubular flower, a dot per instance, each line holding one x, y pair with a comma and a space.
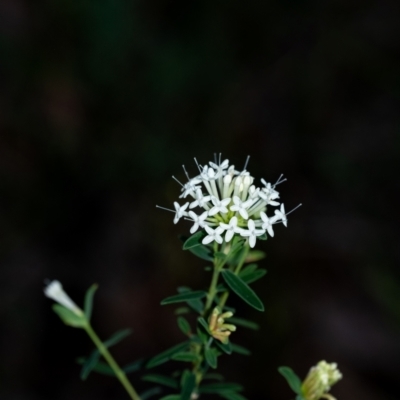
267, 223
280, 215
252, 233
201, 200
219, 206
199, 220
180, 211
241, 206
230, 228
213, 235
228, 201
54, 290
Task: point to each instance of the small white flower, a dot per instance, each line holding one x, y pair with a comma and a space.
280, 215
213, 235
252, 233
220, 169
230, 228
253, 192
267, 223
199, 220
241, 206
190, 187
219, 206
54, 290
180, 211
201, 200
207, 174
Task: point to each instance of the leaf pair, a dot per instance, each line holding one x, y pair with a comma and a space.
293, 380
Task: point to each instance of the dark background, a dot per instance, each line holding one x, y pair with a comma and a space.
101, 102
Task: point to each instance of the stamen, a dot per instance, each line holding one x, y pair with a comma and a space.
215, 158
198, 165
294, 209
245, 164
279, 181
220, 155
187, 175
167, 209
177, 181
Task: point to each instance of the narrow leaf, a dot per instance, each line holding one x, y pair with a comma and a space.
217, 377
219, 387
249, 268
117, 337
133, 366
244, 323
166, 355
101, 367
197, 294
240, 350
211, 357
197, 305
204, 324
69, 317
232, 396
253, 276
188, 385
292, 379
151, 392
194, 240
171, 397
225, 347
161, 379
89, 364
185, 356
89, 301
202, 252
242, 290
184, 325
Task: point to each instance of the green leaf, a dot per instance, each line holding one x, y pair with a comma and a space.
69, 317
263, 237
292, 379
161, 379
188, 385
117, 337
225, 347
248, 269
220, 387
194, 240
255, 255
151, 392
166, 355
89, 301
181, 310
244, 323
89, 364
184, 325
185, 356
202, 335
300, 397
171, 397
253, 276
232, 396
211, 357
204, 324
197, 305
242, 290
217, 377
197, 294
133, 366
240, 350
202, 252
100, 367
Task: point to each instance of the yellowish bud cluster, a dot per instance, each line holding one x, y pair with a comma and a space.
218, 328
319, 381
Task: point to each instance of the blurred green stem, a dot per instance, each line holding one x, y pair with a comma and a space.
119, 373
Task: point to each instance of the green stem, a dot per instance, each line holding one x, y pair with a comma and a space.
119, 373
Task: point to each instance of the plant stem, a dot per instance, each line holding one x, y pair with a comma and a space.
119, 373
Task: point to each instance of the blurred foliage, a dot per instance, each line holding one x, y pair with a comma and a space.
103, 100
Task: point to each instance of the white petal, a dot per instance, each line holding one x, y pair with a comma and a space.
194, 228
208, 239
219, 239
251, 225
252, 241
243, 213
209, 230
229, 236
245, 233
233, 222
192, 215
219, 230
226, 201
213, 211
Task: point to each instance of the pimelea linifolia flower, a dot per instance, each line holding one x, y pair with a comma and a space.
319, 381
55, 291
229, 202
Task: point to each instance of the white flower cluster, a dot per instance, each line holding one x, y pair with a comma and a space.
229, 203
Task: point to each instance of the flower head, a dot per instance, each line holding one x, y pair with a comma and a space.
319, 381
54, 290
218, 328
227, 199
